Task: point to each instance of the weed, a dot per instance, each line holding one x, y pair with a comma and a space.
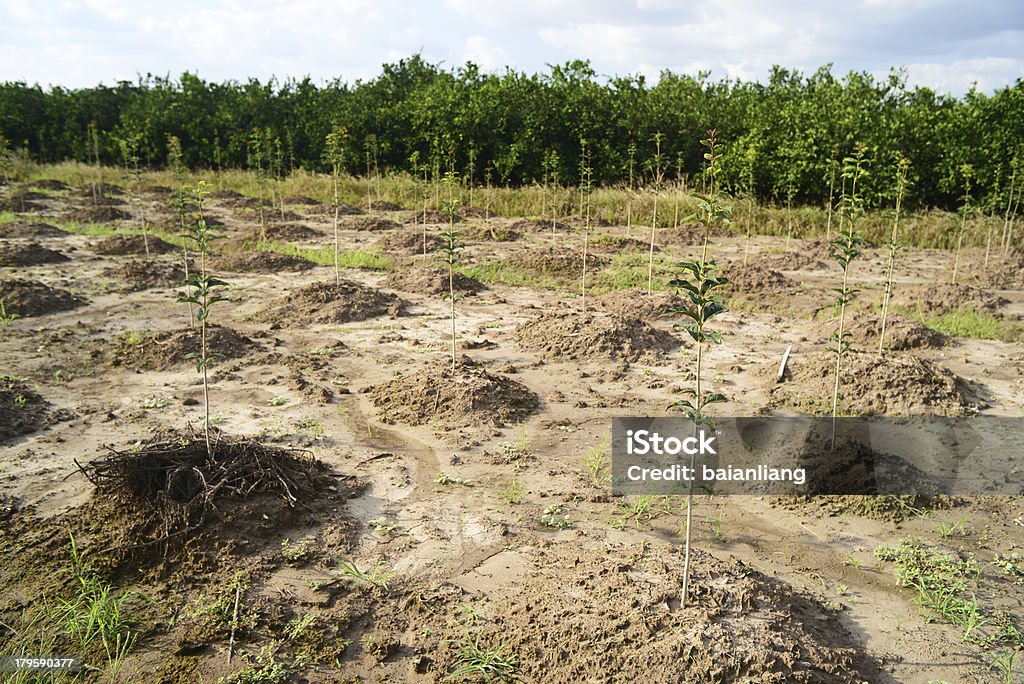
298, 553
641, 509
716, 526
381, 524
855, 562
7, 317
156, 403
513, 492
477, 660
948, 529
842, 590
277, 401
446, 479
554, 518
598, 463
377, 577
1003, 664
261, 668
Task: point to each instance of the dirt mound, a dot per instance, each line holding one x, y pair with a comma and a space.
157, 191
407, 243
327, 209
97, 214
526, 225
383, 205
471, 397
119, 245
165, 349
1004, 272
638, 303
430, 280
300, 200
901, 333
566, 333
50, 184
561, 263
809, 255
25, 298
22, 202
139, 274
23, 411
620, 243
260, 262
171, 486
432, 217
331, 303
756, 278
28, 254
492, 233
945, 297
225, 195
581, 222
105, 190
370, 223
868, 386
290, 231
739, 625
29, 229
683, 235
237, 201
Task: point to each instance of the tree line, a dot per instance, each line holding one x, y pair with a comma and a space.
782, 140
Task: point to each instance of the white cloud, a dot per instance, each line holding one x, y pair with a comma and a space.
945, 44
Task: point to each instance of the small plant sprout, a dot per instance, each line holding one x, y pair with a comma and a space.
551, 163
597, 463
965, 210
377, 577
202, 287
902, 182
657, 176
180, 204
586, 189
846, 248
334, 154
451, 245
700, 283
7, 317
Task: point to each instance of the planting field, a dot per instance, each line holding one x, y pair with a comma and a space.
380, 510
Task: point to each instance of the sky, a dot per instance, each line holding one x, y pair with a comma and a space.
947, 45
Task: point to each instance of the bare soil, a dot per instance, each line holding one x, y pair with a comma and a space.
161, 350
407, 243
566, 333
28, 254
259, 262
328, 302
27, 298
29, 229
123, 245
430, 280
136, 275
23, 411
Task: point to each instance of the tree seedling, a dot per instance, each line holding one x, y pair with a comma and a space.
700, 284
336, 144
658, 175
586, 189
846, 248
902, 182
451, 245
202, 295
965, 210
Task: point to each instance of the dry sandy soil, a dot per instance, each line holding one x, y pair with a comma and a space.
471, 488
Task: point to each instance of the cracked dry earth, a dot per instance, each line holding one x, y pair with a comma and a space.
471, 487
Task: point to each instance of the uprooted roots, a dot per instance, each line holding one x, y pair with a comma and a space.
176, 485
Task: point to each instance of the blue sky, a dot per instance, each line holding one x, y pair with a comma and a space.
943, 44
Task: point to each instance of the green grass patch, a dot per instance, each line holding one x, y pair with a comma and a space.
372, 261
970, 323
500, 272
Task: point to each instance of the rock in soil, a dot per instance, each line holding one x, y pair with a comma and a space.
566, 333
28, 254
24, 298
471, 397
331, 303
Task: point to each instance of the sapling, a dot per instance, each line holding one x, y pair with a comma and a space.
700, 283
1009, 205
846, 248
658, 175
902, 182
179, 203
749, 161
334, 153
832, 165
451, 246
992, 201
370, 148
631, 152
586, 189
470, 178
202, 288
130, 155
790, 193
488, 172
257, 158
965, 171
94, 141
